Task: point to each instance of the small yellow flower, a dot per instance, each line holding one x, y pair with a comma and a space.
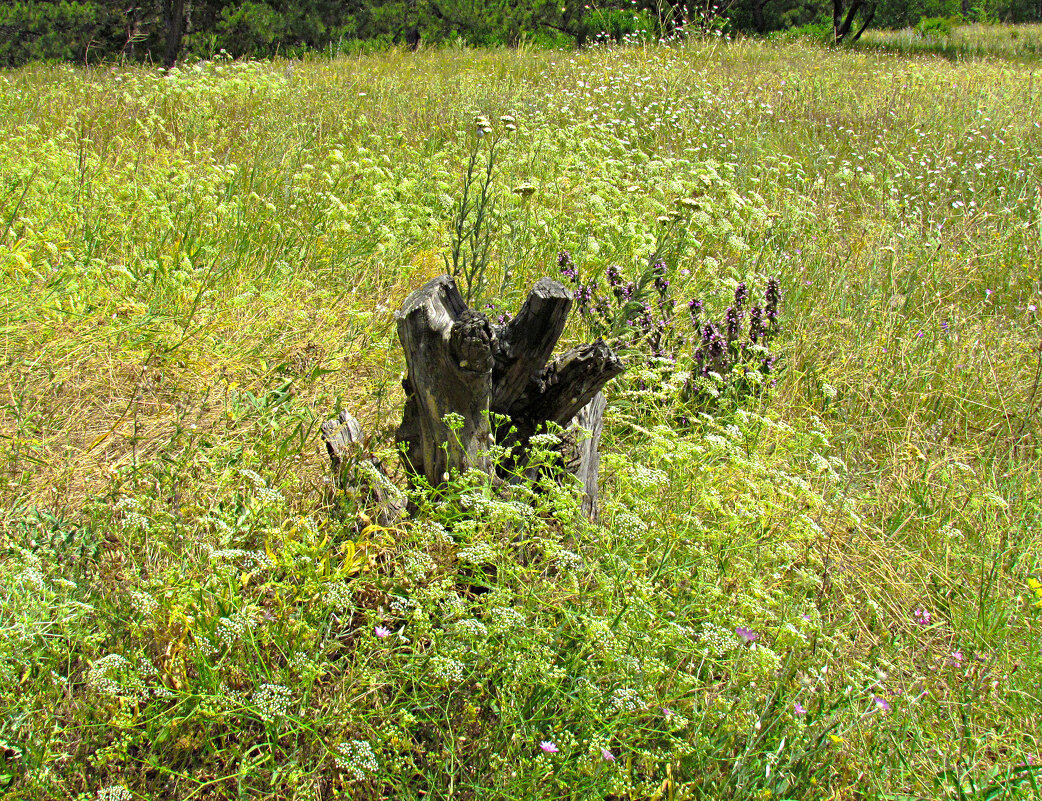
1036, 587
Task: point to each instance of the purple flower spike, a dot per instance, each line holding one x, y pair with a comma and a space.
381, 632
747, 634
549, 747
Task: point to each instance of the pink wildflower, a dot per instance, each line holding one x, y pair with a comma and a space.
381, 632
549, 747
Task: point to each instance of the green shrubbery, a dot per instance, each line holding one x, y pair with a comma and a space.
936, 26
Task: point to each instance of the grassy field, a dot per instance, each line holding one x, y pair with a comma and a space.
962, 42
820, 590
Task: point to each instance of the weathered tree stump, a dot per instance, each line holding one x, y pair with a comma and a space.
471, 384
355, 468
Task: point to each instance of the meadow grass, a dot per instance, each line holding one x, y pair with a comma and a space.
819, 591
961, 42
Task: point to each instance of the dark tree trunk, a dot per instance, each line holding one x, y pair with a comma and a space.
458, 363
471, 385
758, 19
842, 23
174, 20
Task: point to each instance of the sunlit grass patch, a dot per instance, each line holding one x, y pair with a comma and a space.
957, 41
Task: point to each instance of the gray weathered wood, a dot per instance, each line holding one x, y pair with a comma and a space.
356, 469
343, 436
565, 386
590, 420
448, 352
524, 345
460, 369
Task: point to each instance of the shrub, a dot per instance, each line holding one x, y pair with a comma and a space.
936, 27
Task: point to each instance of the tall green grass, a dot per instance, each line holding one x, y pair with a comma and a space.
961, 42
821, 593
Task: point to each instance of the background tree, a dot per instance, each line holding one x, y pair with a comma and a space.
843, 18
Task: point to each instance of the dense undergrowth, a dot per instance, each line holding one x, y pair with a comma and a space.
818, 589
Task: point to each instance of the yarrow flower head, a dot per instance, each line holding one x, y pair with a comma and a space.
549, 747
116, 792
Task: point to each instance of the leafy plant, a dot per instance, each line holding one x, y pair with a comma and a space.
471, 243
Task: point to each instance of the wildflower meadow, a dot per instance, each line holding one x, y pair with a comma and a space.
815, 572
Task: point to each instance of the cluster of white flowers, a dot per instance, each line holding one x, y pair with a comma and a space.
31, 577
117, 792
133, 521
357, 759
304, 666
446, 670
143, 603
431, 533
130, 514
569, 561
627, 523
494, 508
949, 531
244, 560
417, 564
473, 627
128, 504
627, 700
114, 675
600, 633
646, 477
271, 497
400, 607
716, 639
202, 646
339, 595
233, 628
272, 701
254, 478
546, 440
478, 553
504, 618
